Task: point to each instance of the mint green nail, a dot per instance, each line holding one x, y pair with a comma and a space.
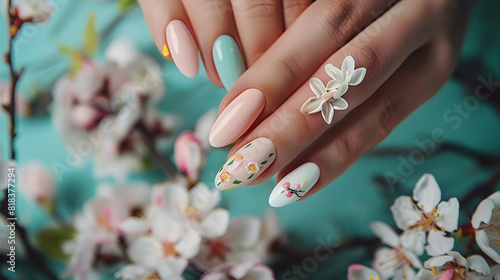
228, 60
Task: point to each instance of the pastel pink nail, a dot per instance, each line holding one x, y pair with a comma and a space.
238, 116
182, 48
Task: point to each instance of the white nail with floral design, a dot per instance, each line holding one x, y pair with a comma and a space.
294, 185
329, 98
246, 164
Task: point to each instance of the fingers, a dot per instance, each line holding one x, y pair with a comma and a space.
215, 29
158, 14
292, 10
291, 132
260, 23
364, 128
320, 31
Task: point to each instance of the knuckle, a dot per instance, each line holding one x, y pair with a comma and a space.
388, 116
288, 67
345, 147
371, 57
209, 7
336, 20
257, 8
295, 7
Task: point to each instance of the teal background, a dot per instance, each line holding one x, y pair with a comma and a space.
343, 209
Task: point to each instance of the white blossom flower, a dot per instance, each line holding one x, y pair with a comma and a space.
360, 272
423, 219
396, 262
346, 77
239, 245
33, 10
164, 252
325, 101
454, 266
486, 222
197, 207
229, 271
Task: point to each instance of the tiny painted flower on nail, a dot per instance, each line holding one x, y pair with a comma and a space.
238, 157
289, 192
225, 177
252, 167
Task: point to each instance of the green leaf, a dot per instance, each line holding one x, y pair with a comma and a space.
51, 239
231, 162
123, 5
90, 36
250, 176
271, 154
219, 183
249, 144
75, 56
264, 162
236, 182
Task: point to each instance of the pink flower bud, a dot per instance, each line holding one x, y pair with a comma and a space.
37, 183
188, 155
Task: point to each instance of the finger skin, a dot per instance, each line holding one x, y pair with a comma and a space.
260, 24
210, 20
292, 132
292, 10
158, 13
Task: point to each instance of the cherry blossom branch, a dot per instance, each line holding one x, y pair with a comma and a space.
33, 256
150, 144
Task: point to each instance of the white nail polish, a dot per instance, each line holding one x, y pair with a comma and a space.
294, 185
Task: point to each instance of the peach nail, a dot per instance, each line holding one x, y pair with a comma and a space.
238, 116
182, 48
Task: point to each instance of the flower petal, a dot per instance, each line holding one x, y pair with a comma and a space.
438, 244
333, 85
175, 195
483, 213
145, 251
496, 198
243, 232
189, 244
357, 76
413, 240
203, 198
459, 259
171, 268
334, 72
348, 65
133, 272
216, 223
134, 225
317, 87
483, 241
386, 262
425, 274
479, 264
339, 103
438, 261
447, 213
327, 112
341, 90
260, 272
405, 273
414, 260
405, 212
167, 228
386, 234
312, 105
360, 272
427, 193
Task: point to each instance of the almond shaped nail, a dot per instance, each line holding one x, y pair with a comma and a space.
238, 116
182, 48
294, 185
246, 164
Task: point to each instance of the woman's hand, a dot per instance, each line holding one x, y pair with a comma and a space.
231, 34
409, 51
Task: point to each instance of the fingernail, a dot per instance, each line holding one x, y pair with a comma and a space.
182, 48
228, 60
246, 164
238, 116
294, 185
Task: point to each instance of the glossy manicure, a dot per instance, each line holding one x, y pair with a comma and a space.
238, 116
182, 48
294, 185
246, 164
228, 60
